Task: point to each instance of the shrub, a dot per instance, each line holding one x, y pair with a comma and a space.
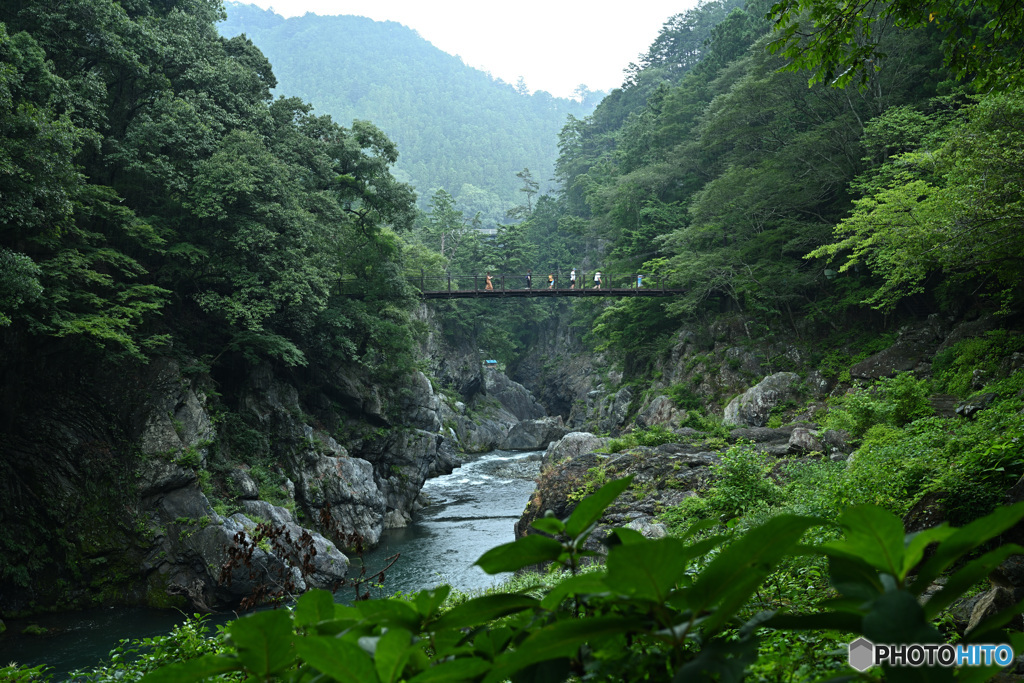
954, 367
684, 397
654, 435
742, 485
894, 401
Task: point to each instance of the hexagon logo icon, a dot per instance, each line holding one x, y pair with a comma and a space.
862, 654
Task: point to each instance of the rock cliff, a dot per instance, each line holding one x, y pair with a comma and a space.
162, 484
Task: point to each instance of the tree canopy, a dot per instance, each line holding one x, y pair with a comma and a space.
153, 188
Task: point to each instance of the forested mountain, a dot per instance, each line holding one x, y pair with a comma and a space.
456, 127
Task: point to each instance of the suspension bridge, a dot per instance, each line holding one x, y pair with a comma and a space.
506, 285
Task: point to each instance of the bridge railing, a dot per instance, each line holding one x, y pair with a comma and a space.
508, 282
501, 282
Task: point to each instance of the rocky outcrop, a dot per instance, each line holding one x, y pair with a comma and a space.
480, 429
754, 406
662, 477
660, 411
150, 478
531, 435
515, 398
456, 364
572, 445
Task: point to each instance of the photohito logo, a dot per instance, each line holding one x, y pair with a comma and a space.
865, 654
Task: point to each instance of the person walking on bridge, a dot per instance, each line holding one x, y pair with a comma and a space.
489, 286
597, 280
529, 279
551, 281
572, 279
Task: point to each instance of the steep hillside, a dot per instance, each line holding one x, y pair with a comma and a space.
455, 126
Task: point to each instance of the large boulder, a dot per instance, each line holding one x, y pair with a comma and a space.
516, 398
661, 411
754, 406
572, 445
614, 410
530, 435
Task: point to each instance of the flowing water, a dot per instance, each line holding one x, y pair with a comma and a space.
472, 510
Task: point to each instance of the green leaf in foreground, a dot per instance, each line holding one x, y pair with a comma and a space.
264, 641
341, 660
523, 552
593, 506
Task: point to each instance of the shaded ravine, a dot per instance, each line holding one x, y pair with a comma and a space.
472, 510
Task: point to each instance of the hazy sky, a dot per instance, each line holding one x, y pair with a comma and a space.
554, 45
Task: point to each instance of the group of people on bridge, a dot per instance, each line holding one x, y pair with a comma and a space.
489, 284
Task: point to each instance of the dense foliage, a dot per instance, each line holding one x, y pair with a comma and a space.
154, 194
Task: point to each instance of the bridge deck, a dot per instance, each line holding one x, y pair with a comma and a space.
497, 293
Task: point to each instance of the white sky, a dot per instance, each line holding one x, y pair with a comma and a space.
554, 45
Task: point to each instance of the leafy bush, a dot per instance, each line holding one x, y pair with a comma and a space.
894, 401
133, 658
684, 397
954, 367
654, 435
742, 486
742, 483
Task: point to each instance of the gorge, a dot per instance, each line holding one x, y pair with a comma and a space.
220, 383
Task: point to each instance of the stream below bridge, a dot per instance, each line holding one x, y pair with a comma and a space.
472, 510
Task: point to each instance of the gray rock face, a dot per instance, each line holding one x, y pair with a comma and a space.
516, 398
477, 436
300, 545
175, 417
572, 445
420, 405
754, 407
665, 478
613, 411
408, 455
530, 435
245, 484
347, 487
159, 475
661, 411
913, 347
456, 364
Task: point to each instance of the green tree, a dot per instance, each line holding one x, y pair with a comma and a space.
839, 44
445, 227
955, 210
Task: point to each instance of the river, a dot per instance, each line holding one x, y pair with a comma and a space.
472, 510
